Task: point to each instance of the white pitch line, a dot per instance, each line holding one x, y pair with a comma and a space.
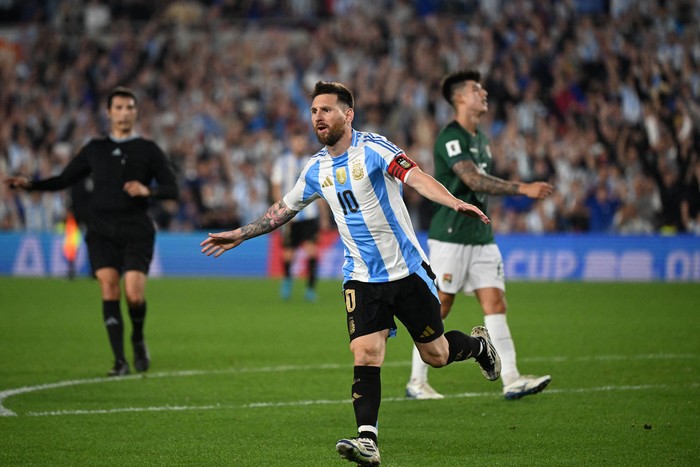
5, 412
256, 405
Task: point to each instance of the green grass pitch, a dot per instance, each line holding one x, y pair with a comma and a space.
240, 378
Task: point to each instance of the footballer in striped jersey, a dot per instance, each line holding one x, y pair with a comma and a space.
386, 275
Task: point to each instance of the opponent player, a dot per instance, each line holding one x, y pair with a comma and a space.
463, 252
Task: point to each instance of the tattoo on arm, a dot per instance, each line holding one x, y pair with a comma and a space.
276, 215
480, 182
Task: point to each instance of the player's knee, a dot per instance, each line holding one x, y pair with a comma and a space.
134, 299
110, 291
435, 358
365, 355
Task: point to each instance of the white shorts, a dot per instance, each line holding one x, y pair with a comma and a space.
466, 267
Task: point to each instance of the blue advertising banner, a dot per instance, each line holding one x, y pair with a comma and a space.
41, 255
571, 257
601, 257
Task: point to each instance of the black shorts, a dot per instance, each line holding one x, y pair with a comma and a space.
296, 233
371, 307
128, 246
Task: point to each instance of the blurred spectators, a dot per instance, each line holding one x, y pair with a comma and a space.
601, 99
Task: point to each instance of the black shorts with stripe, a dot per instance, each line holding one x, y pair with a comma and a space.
372, 307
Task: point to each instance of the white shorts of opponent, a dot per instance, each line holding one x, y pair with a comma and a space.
466, 267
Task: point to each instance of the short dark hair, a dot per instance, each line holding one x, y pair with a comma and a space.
120, 91
331, 87
454, 80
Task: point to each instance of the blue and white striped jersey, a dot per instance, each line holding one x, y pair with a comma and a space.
285, 173
367, 204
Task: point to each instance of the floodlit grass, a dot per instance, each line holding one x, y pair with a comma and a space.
241, 378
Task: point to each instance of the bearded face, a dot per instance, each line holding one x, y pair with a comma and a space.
329, 134
329, 119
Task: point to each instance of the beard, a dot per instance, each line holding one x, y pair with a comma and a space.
332, 136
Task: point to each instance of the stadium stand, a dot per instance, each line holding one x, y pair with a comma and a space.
601, 98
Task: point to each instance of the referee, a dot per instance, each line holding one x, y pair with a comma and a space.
120, 235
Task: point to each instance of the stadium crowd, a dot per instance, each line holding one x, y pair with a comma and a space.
599, 97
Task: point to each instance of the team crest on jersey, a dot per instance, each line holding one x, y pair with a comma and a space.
447, 278
357, 171
341, 175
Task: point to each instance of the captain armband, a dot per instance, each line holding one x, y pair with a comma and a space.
400, 167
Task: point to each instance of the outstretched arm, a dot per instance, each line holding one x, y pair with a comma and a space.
77, 169
435, 191
276, 215
21, 183
481, 182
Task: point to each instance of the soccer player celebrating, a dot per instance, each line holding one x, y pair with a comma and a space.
120, 235
386, 273
463, 252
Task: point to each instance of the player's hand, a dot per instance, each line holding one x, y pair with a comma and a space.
17, 182
537, 190
472, 211
136, 188
219, 243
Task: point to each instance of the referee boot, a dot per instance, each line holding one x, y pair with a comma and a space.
142, 359
121, 368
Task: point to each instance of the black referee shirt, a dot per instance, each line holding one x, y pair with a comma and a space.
112, 163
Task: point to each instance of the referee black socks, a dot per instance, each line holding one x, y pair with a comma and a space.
115, 327
137, 314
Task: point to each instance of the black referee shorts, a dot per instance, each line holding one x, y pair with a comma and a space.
127, 246
371, 307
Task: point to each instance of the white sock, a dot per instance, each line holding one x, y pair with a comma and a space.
419, 369
503, 342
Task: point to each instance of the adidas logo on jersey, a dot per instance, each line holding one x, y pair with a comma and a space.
327, 182
117, 152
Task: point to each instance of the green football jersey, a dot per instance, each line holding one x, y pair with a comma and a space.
455, 144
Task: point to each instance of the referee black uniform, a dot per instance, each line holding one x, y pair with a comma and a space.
114, 216
120, 233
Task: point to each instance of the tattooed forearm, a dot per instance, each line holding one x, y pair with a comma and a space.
482, 182
276, 215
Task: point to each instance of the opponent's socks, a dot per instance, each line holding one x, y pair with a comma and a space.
462, 346
312, 267
497, 325
366, 397
115, 327
137, 314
